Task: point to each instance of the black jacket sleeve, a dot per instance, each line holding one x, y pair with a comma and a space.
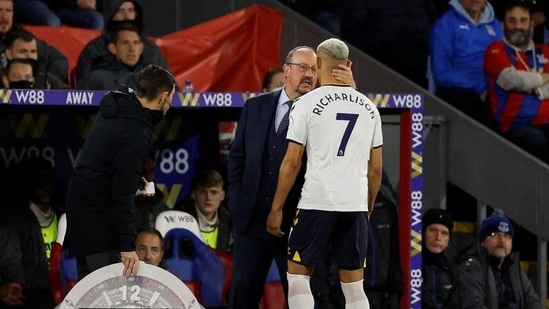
11, 270
52, 60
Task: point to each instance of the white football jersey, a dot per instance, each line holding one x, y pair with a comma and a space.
339, 126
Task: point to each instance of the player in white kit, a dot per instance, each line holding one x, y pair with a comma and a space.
340, 129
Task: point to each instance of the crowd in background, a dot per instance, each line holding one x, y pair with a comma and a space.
405, 37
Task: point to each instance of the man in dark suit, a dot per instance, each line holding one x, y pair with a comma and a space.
256, 153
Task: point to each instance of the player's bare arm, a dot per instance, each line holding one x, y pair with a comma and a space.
374, 176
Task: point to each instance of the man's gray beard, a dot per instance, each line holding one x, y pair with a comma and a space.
518, 38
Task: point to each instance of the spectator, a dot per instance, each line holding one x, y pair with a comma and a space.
124, 68
341, 182
439, 278
75, 13
518, 77
33, 220
274, 78
149, 246
214, 220
20, 74
458, 41
489, 275
20, 43
540, 12
97, 50
148, 207
101, 194
50, 59
253, 166
12, 278
394, 32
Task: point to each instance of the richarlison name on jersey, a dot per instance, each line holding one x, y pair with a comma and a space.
332, 97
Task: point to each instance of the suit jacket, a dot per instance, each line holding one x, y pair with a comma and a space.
245, 162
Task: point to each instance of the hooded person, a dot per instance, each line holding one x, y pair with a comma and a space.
490, 275
101, 227
439, 287
108, 73
97, 51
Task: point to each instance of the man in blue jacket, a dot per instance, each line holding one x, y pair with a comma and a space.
457, 42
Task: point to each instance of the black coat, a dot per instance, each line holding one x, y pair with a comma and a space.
439, 282
31, 268
97, 48
50, 60
101, 194
477, 281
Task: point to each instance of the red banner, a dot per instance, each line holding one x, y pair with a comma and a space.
229, 53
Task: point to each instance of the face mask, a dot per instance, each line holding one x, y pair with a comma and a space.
21, 84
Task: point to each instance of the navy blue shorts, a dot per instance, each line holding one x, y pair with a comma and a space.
314, 230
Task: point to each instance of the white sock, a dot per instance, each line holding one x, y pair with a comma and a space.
299, 292
355, 298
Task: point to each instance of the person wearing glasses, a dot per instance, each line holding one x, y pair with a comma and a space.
490, 275
254, 159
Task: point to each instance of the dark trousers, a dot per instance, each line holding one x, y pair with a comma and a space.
469, 103
252, 257
86, 264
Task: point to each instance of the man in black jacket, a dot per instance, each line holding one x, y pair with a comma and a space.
439, 286
101, 195
126, 46
490, 275
50, 59
22, 44
116, 12
11, 272
32, 216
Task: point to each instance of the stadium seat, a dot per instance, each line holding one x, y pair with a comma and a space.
171, 219
227, 261
191, 260
273, 294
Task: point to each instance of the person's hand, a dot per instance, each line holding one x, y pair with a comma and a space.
344, 74
483, 95
131, 263
273, 223
12, 294
86, 4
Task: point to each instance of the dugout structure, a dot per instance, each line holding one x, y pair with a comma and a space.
54, 123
